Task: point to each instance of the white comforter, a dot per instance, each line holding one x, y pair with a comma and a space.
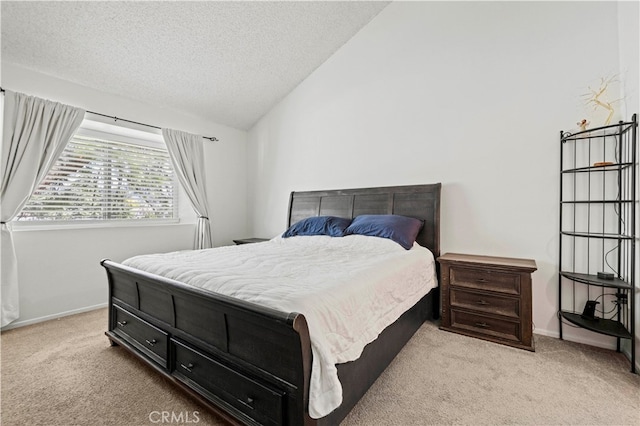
349, 289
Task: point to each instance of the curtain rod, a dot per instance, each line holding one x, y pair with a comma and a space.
211, 138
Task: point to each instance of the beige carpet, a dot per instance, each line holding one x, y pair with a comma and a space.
64, 372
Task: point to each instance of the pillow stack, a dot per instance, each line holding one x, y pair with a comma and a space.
401, 229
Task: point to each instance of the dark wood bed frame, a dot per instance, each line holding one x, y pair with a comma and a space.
248, 363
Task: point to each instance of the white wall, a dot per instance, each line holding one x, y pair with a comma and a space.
470, 94
629, 33
59, 269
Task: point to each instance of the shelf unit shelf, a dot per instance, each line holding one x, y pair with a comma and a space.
592, 279
607, 168
598, 233
596, 202
598, 325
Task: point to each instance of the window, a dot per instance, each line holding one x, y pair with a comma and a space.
107, 173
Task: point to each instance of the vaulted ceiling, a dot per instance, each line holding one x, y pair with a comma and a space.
228, 62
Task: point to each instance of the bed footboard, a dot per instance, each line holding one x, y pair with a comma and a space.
237, 357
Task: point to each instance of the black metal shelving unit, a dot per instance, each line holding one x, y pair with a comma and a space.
598, 202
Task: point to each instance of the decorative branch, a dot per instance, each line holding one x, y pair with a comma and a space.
595, 97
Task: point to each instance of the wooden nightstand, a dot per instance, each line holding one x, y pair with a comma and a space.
488, 298
249, 240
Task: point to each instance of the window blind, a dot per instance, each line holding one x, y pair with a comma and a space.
98, 179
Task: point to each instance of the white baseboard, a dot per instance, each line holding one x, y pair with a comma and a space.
53, 316
577, 339
546, 333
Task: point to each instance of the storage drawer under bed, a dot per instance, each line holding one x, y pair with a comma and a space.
259, 402
150, 340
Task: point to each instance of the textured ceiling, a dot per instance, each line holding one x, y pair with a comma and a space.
229, 62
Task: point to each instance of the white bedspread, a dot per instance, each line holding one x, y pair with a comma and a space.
349, 289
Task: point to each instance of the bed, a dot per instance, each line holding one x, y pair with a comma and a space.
248, 362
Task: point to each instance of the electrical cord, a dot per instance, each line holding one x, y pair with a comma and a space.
615, 303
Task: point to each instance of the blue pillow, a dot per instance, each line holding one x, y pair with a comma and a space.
319, 225
401, 229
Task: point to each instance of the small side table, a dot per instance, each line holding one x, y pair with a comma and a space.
249, 240
488, 297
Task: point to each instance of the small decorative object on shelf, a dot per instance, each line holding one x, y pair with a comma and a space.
583, 124
599, 98
602, 163
598, 234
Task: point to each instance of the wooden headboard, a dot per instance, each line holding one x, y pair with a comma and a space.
418, 201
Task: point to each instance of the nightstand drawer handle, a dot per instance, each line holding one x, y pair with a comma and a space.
482, 324
482, 302
151, 342
122, 323
482, 280
187, 367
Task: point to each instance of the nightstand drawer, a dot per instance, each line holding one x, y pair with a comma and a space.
480, 324
485, 279
486, 302
150, 340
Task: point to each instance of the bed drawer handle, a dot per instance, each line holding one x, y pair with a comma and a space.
482, 302
482, 280
248, 402
122, 323
187, 367
482, 325
152, 342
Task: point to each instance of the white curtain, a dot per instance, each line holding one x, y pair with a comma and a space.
35, 132
186, 151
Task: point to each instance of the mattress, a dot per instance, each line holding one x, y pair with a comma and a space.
349, 289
